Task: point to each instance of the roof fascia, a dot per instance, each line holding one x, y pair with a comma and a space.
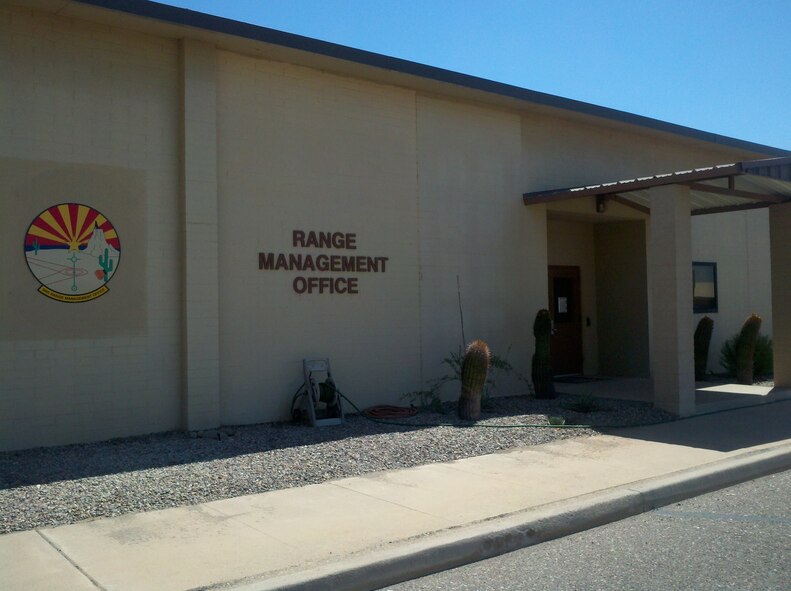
729, 208
633, 185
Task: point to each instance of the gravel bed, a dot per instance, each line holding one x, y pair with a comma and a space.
59, 485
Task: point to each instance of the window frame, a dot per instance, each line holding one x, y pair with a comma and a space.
712, 306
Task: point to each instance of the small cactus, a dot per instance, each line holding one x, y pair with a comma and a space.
106, 264
36, 245
702, 342
745, 349
474, 368
541, 370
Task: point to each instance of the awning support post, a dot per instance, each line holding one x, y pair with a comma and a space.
780, 248
670, 282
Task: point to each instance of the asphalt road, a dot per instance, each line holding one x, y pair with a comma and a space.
736, 538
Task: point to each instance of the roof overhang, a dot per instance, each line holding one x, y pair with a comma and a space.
714, 189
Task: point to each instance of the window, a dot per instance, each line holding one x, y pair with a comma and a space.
704, 287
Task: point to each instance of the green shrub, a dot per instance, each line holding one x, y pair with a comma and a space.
763, 359
728, 356
747, 354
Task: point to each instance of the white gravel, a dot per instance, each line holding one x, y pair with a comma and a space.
59, 485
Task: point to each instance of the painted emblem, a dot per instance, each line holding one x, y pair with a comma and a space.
73, 251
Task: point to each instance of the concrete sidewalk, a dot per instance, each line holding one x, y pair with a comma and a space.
370, 531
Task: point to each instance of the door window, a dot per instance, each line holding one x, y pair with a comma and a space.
563, 304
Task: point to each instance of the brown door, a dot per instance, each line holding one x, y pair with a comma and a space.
565, 344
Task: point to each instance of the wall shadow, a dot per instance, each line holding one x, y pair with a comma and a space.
725, 430
159, 450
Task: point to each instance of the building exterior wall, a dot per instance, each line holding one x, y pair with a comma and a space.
309, 151
472, 226
89, 115
208, 162
739, 244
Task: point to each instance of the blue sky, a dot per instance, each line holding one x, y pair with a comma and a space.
722, 66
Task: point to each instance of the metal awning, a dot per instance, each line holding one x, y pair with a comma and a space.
726, 187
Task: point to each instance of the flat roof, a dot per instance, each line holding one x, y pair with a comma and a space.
750, 184
191, 18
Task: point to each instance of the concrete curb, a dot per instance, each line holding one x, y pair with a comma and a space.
463, 545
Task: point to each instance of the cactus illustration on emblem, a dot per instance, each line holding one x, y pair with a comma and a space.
73, 251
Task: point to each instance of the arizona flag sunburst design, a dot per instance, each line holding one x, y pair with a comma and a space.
73, 251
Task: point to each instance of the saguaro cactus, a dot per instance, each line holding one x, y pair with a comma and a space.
106, 264
745, 349
541, 370
474, 368
702, 342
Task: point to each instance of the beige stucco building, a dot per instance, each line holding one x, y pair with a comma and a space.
210, 148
